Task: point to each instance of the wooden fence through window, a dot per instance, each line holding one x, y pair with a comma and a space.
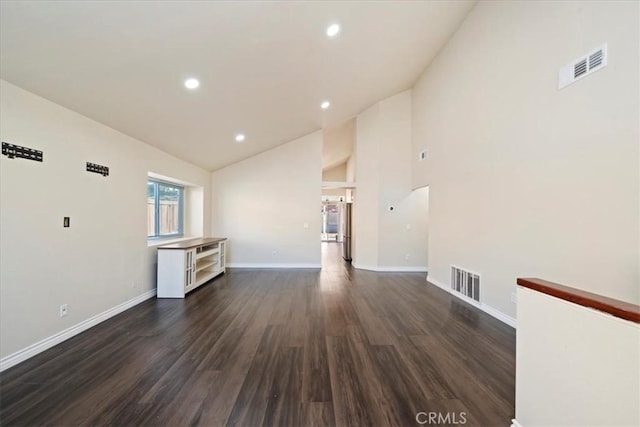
169, 216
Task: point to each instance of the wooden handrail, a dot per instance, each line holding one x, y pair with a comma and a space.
621, 309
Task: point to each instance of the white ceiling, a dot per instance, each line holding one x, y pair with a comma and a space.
264, 67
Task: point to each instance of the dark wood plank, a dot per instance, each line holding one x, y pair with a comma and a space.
319, 414
284, 406
251, 404
316, 380
219, 403
277, 347
349, 399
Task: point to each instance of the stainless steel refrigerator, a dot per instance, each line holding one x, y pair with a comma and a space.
346, 234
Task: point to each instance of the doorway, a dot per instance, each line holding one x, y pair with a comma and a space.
332, 232
331, 220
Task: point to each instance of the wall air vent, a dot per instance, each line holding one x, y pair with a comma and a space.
583, 66
465, 282
580, 68
596, 59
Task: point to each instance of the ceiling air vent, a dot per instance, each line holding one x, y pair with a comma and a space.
583, 66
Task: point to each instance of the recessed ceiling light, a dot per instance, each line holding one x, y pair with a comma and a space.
325, 105
240, 137
191, 83
333, 30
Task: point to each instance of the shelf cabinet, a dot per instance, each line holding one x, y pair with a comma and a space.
184, 266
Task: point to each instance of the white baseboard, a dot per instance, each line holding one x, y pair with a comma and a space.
482, 306
259, 265
45, 344
399, 269
515, 423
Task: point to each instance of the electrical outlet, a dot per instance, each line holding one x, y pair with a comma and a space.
274, 253
407, 256
514, 298
64, 309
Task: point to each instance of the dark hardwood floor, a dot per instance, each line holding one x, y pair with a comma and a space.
339, 347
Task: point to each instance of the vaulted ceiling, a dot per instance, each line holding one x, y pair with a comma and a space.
264, 67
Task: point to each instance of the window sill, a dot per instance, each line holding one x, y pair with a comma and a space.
160, 242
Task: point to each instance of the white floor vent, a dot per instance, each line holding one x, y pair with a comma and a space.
582, 67
465, 282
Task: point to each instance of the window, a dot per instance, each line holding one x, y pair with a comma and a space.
164, 210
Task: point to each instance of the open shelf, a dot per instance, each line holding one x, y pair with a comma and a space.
207, 253
204, 275
205, 265
185, 266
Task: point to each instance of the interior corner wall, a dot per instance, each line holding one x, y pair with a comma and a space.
350, 170
269, 206
195, 199
102, 260
351, 177
335, 174
390, 220
526, 179
366, 206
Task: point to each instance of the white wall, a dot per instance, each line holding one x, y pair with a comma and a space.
366, 209
350, 169
335, 174
526, 179
351, 175
388, 239
269, 206
103, 259
404, 232
575, 366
